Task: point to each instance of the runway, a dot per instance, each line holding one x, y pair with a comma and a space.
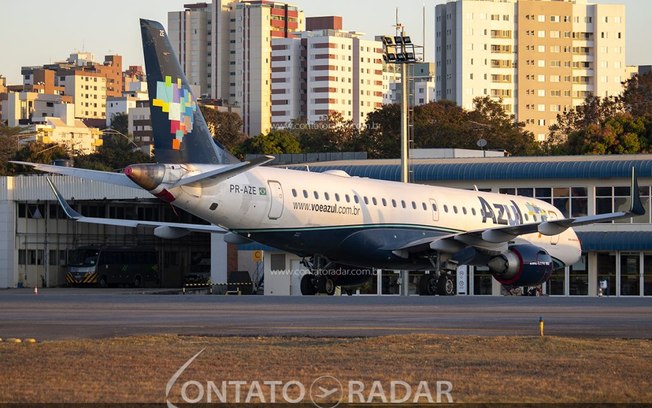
73, 313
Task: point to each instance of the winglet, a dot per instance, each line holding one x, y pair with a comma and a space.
637, 206
64, 204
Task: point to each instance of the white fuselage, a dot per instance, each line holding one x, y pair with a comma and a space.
290, 204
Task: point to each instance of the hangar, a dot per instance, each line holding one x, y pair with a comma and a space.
35, 239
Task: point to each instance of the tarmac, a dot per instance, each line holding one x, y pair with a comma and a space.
99, 313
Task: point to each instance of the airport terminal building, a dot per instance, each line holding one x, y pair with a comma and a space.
35, 238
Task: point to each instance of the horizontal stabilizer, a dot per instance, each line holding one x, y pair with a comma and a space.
118, 179
163, 229
213, 177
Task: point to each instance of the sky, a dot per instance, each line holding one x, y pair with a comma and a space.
36, 32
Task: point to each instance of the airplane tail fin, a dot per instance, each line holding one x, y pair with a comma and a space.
180, 131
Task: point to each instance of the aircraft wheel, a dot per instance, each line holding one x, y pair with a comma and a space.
329, 286
446, 286
307, 287
428, 285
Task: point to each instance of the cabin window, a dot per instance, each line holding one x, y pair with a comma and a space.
348, 199
294, 193
316, 195
434, 207
445, 208
414, 205
384, 202
473, 211
366, 200
373, 200
425, 207
403, 204
455, 209
327, 197
527, 217
337, 197
356, 199
464, 210
305, 194
393, 203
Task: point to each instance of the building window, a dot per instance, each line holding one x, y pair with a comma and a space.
630, 270
579, 278
607, 273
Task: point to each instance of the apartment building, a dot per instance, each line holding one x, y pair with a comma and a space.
79, 80
62, 128
538, 56
24, 108
88, 92
3, 95
189, 32
421, 84
325, 71
228, 44
257, 23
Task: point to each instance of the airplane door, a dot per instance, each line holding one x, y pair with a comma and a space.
276, 197
435, 209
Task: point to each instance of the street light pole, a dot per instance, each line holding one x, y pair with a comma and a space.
401, 51
405, 148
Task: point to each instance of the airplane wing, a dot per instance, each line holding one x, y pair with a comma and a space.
119, 179
163, 229
496, 239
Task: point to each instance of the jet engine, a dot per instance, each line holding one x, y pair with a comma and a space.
522, 265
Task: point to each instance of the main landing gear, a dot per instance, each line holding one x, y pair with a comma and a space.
441, 283
318, 280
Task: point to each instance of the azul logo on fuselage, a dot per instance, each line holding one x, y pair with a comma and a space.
501, 214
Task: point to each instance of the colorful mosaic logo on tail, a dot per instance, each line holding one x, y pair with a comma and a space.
180, 106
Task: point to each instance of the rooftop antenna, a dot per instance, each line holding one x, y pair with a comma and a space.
424, 32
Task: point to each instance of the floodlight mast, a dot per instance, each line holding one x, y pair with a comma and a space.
401, 51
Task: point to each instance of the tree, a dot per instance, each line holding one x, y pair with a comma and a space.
501, 130
637, 100
120, 123
37, 152
275, 142
8, 148
637, 96
442, 124
330, 134
621, 133
226, 127
594, 110
115, 153
381, 135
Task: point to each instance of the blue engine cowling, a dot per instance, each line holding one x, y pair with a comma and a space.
522, 265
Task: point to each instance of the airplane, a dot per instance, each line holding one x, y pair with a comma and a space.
343, 227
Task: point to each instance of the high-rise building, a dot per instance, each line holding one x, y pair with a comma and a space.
188, 31
421, 83
323, 72
228, 45
539, 57
256, 24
